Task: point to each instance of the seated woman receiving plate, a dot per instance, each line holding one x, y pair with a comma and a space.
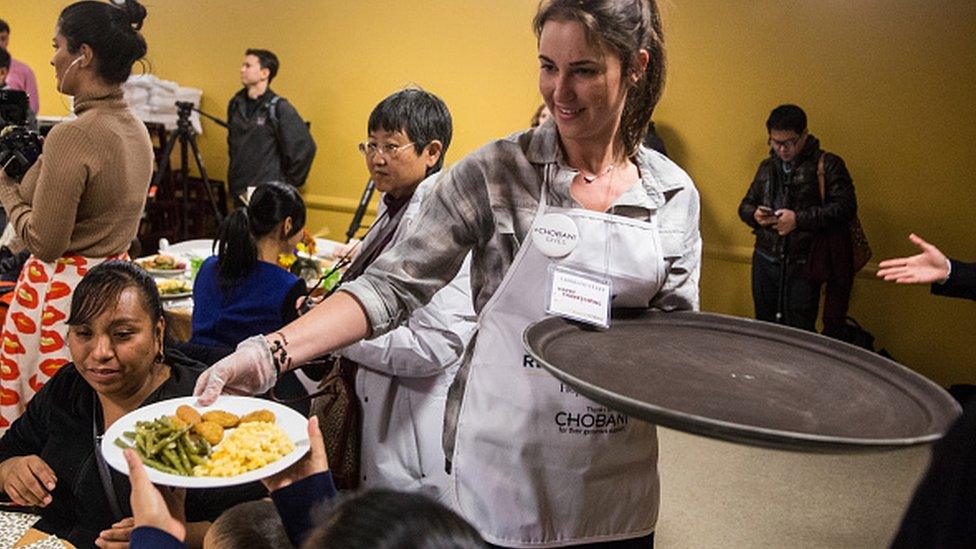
48, 458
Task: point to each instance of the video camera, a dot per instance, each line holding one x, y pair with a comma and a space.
19, 146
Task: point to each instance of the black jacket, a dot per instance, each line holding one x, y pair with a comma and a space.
961, 283
266, 146
803, 197
57, 427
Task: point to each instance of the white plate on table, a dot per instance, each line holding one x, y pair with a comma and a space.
291, 422
186, 288
180, 295
164, 272
325, 248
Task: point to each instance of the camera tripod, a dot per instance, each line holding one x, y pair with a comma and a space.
187, 137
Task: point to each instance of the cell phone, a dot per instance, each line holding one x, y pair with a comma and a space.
766, 210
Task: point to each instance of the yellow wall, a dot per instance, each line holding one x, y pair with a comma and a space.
888, 85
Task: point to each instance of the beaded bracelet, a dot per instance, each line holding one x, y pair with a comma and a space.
279, 355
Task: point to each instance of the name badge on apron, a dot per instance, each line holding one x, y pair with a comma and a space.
579, 296
555, 235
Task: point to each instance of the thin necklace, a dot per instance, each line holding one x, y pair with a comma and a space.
591, 178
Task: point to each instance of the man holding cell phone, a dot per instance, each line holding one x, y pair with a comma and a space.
786, 211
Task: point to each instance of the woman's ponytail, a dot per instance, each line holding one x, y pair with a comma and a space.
237, 252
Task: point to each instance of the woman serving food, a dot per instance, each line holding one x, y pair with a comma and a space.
82, 201
49, 457
576, 201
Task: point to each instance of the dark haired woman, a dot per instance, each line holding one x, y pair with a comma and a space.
242, 291
81, 202
526, 473
49, 457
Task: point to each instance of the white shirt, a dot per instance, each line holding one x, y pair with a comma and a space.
403, 380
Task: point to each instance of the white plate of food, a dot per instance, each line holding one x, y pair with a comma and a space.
163, 264
173, 288
251, 450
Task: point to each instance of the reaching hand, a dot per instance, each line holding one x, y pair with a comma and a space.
150, 507
315, 461
116, 537
249, 370
28, 480
925, 268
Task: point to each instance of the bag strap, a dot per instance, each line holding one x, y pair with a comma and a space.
821, 177
325, 386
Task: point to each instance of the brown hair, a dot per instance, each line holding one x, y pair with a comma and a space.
623, 27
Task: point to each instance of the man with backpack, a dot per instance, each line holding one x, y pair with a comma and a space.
800, 207
267, 138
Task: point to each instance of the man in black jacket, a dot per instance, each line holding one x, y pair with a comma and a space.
267, 138
784, 208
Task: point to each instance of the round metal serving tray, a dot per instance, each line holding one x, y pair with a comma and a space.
744, 381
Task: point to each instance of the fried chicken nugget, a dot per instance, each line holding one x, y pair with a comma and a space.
267, 416
188, 415
226, 420
210, 431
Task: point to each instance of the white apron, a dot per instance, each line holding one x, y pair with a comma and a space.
535, 464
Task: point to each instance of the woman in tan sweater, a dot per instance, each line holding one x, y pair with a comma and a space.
80, 204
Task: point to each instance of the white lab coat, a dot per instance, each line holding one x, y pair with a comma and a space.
403, 380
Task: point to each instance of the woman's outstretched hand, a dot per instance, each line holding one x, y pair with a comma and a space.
925, 268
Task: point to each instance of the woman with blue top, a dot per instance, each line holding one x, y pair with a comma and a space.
242, 291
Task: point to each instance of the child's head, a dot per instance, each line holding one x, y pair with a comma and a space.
251, 525
409, 133
384, 519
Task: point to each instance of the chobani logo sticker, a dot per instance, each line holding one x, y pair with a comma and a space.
555, 235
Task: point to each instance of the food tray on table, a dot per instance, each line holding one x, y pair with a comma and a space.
744, 381
291, 423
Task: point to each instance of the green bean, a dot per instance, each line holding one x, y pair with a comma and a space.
121, 444
207, 449
131, 435
174, 461
162, 444
159, 466
197, 460
184, 458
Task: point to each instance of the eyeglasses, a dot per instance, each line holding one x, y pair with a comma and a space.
785, 144
386, 151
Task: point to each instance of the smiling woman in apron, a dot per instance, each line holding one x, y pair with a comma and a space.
571, 218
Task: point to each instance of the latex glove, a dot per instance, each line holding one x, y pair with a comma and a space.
247, 371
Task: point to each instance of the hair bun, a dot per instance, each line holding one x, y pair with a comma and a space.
134, 11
